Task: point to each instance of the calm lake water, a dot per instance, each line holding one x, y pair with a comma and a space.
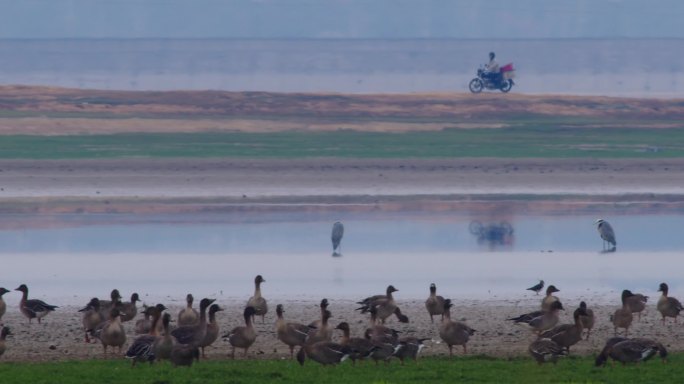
219, 254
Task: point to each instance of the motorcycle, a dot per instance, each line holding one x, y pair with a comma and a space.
486, 80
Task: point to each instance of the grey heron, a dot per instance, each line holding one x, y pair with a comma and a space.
337, 233
606, 232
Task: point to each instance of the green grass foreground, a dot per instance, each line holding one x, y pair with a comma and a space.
539, 142
472, 369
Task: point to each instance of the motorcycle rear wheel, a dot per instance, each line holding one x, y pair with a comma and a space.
506, 86
476, 85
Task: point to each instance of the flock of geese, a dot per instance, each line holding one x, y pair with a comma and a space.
184, 343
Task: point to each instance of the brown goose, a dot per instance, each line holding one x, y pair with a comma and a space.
91, 317
142, 348
434, 304
33, 309
3, 305
385, 343
107, 305
588, 320
668, 306
112, 332
454, 332
243, 337
540, 321
630, 350
188, 315
129, 309
183, 355
324, 306
193, 335
142, 326
549, 298
292, 334
324, 353
622, 318
361, 347
164, 345
257, 301
567, 335
3, 336
384, 304
322, 333
637, 304
212, 328
546, 350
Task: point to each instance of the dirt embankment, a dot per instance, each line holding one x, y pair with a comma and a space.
33, 110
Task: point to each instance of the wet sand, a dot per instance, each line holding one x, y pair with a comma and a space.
60, 336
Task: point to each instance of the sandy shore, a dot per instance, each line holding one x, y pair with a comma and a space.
60, 336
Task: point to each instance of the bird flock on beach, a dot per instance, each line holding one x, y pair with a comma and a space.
185, 341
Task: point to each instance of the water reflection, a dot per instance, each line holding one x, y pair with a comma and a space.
492, 234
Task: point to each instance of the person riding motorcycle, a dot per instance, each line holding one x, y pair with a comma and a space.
493, 70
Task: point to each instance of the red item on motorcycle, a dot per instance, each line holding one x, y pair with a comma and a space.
507, 68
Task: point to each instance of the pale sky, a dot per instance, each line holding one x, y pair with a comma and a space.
341, 19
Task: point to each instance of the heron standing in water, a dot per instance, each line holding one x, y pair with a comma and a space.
337, 233
606, 232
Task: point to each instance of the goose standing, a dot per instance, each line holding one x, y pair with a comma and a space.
91, 317
546, 350
257, 301
384, 305
3, 305
112, 333
164, 345
409, 348
107, 305
129, 309
3, 337
622, 318
33, 309
668, 306
549, 298
589, 319
243, 337
212, 328
637, 304
540, 321
142, 348
324, 353
567, 335
292, 334
193, 335
454, 332
361, 347
188, 315
434, 304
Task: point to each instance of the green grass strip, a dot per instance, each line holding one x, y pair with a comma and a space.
541, 142
471, 369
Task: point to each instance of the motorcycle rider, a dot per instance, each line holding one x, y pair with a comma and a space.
493, 70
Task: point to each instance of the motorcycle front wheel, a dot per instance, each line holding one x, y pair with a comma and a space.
506, 86
476, 85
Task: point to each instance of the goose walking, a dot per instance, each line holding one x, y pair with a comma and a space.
33, 309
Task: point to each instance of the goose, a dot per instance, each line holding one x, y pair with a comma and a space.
292, 334
637, 304
622, 318
3, 337
400, 316
112, 332
385, 343
606, 232
384, 304
129, 309
164, 345
183, 355
539, 321
630, 350
361, 347
409, 347
324, 306
193, 335
549, 298
91, 317
142, 326
536, 288
3, 305
434, 304
324, 353
257, 301
588, 320
107, 305
188, 315
322, 333
567, 335
546, 350
668, 306
454, 332
142, 348
33, 309
212, 328
243, 337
